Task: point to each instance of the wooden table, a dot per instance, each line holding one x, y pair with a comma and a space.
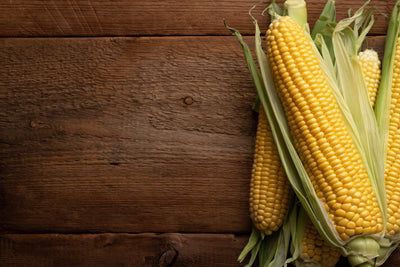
126, 131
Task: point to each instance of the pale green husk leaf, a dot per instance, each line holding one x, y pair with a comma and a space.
325, 24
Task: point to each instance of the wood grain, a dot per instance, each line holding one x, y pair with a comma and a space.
125, 135
140, 17
120, 250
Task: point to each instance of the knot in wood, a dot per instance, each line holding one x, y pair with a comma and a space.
39, 124
188, 100
167, 258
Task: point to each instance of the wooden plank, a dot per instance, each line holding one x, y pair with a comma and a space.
140, 17
146, 249
125, 135
121, 250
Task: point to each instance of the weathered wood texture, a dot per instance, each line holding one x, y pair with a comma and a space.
125, 135
141, 17
120, 250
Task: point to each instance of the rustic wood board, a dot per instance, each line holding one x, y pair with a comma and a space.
125, 135
140, 17
120, 250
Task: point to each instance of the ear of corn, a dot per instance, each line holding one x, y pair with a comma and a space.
392, 164
314, 250
388, 115
269, 190
320, 135
364, 247
298, 172
370, 65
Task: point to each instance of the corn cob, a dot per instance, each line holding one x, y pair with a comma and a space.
325, 147
315, 251
269, 191
370, 65
392, 164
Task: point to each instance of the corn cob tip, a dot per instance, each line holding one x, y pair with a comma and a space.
370, 65
369, 54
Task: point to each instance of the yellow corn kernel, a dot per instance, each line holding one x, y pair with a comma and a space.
304, 91
392, 174
371, 69
315, 250
270, 188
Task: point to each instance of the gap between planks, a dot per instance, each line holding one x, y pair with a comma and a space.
139, 36
138, 17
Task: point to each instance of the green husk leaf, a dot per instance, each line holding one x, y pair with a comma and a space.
263, 254
254, 253
325, 24
328, 62
281, 248
274, 10
365, 26
325, 20
270, 248
270, 245
254, 239
297, 224
362, 20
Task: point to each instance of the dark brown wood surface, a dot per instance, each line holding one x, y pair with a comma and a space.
154, 133
146, 249
127, 151
141, 17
